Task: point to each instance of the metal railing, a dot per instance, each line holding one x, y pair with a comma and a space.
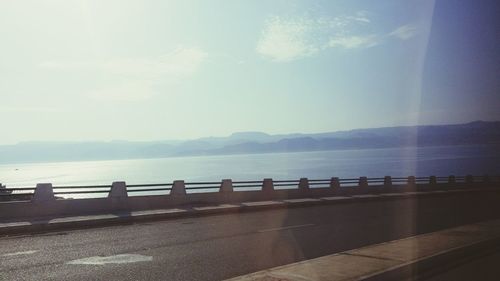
12, 193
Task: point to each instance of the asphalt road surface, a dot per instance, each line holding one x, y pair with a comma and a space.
224, 246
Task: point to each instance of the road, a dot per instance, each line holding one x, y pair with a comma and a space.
224, 246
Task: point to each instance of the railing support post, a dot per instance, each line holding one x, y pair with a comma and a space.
43, 192
387, 181
226, 186
335, 182
486, 179
469, 179
432, 180
451, 179
267, 185
363, 182
411, 180
178, 188
118, 190
304, 184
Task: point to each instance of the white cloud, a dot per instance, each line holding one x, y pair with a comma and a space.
135, 78
404, 32
285, 40
352, 42
361, 16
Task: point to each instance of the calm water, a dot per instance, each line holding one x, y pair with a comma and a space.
457, 160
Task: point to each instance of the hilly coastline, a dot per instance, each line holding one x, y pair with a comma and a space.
474, 133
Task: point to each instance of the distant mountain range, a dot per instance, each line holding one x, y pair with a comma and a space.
478, 132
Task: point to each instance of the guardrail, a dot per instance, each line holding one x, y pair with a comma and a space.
117, 189
48, 200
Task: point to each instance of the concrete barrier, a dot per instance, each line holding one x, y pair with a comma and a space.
452, 180
178, 188
118, 190
411, 180
334, 183
43, 192
363, 182
387, 181
432, 180
267, 185
226, 186
45, 204
486, 179
304, 184
469, 179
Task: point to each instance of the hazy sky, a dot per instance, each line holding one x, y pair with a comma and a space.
151, 70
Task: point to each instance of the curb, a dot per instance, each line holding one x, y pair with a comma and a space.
437, 263
396, 259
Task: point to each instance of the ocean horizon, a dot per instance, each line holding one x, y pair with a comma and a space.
396, 162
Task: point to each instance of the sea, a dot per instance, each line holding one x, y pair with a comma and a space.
397, 162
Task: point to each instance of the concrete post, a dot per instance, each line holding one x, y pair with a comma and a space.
226, 186
118, 190
486, 179
432, 180
363, 182
43, 192
451, 179
335, 182
303, 184
411, 180
267, 185
469, 179
178, 188
387, 181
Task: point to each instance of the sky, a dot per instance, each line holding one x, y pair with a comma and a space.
76, 70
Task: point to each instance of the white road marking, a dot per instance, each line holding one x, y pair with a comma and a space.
285, 227
19, 253
117, 259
